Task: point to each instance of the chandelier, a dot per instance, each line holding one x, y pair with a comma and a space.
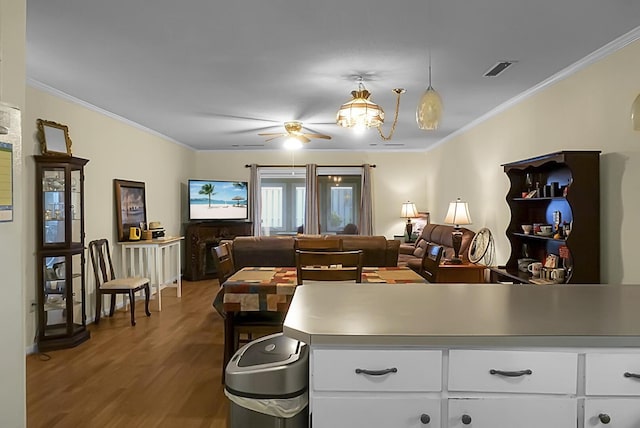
361, 113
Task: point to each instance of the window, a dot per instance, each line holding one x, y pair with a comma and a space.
282, 202
339, 192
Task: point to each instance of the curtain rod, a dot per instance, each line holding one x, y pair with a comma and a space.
302, 166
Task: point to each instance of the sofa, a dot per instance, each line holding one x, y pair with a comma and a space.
280, 250
412, 254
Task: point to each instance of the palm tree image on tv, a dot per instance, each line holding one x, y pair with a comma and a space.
208, 189
217, 199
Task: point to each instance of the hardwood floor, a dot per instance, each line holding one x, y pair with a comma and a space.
164, 372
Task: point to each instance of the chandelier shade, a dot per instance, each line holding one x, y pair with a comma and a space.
429, 111
360, 111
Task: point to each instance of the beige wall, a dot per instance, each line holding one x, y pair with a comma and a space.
398, 177
115, 150
12, 248
590, 110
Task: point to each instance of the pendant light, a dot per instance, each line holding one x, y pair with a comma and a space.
429, 109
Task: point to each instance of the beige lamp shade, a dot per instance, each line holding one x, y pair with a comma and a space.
429, 110
360, 111
408, 210
458, 213
635, 114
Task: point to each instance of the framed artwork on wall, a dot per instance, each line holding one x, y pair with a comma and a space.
131, 208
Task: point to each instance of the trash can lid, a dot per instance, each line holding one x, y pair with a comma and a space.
274, 349
273, 366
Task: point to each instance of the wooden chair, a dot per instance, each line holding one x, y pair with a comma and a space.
247, 326
431, 262
328, 265
318, 244
107, 283
223, 262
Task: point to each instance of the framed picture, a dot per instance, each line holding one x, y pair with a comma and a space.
420, 222
54, 138
131, 208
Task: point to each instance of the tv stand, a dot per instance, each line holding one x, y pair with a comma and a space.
201, 237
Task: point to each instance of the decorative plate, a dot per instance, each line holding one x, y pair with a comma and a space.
479, 245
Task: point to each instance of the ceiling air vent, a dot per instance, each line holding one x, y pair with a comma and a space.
498, 68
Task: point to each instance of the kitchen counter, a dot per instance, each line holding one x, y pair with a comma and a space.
466, 315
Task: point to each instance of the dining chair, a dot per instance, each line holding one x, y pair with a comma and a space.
431, 262
223, 261
247, 326
328, 266
318, 244
107, 283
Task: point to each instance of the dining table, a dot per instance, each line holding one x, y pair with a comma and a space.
271, 289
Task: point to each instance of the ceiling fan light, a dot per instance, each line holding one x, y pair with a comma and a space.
292, 143
360, 111
429, 111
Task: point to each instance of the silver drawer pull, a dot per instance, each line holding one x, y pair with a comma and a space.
633, 375
511, 374
377, 372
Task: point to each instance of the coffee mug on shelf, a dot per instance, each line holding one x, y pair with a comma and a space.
527, 228
557, 275
134, 234
535, 269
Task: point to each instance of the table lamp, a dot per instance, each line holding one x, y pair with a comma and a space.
409, 210
457, 214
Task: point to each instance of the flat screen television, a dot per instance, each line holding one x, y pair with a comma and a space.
218, 200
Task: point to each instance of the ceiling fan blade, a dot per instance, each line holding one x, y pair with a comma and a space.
303, 138
325, 137
250, 131
235, 117
272, 138
270, 134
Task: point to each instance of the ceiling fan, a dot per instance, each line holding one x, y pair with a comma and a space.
294, 130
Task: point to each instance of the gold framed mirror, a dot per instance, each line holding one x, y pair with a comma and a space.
54, 138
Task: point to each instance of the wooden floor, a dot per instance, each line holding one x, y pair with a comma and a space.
164, 372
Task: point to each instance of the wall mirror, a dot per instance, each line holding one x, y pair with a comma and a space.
54, 138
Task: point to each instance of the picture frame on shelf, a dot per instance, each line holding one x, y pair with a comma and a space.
54, 138
420, 222
131, 208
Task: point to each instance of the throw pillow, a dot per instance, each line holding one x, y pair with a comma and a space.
421, 248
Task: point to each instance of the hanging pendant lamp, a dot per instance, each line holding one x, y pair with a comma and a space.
360, 111
429, 111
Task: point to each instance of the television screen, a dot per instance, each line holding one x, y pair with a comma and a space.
218, 200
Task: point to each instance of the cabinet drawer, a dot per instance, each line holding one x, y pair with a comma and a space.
605, 374
361, 370
380, 411
613, 412
512, 413
531, 372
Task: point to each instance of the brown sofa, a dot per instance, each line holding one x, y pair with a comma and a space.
412, 254
279, 250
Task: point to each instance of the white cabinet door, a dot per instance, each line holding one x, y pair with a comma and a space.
512, 413
380, 411
612, 412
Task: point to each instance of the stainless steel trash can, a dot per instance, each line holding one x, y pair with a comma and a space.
267, 384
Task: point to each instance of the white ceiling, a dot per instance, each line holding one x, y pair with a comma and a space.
211, 74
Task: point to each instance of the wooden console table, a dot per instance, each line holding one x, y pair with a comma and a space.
201, 237
152, 259
466, 273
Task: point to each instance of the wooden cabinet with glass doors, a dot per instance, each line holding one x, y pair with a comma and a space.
60, 252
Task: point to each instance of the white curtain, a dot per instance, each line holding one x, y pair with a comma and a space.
366, 202
254, 200
312, 209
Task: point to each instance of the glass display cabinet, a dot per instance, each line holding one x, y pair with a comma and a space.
60, 252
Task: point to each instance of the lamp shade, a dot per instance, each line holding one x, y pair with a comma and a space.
429, 110
408, 210
458, 213
360, 111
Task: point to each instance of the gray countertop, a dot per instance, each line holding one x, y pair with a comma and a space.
466, 315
